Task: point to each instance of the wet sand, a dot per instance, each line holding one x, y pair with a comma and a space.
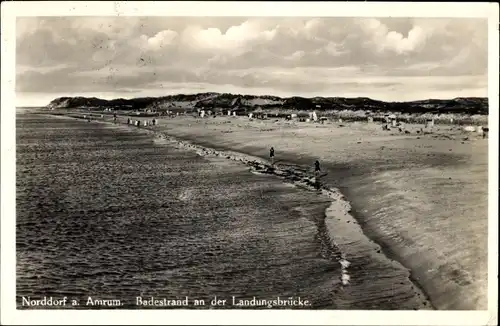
423, 198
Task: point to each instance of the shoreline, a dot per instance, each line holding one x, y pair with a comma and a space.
340, 207
179, 223
417, 194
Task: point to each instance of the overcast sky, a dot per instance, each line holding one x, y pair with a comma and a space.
381, 58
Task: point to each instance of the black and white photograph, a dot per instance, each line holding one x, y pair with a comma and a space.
254, 159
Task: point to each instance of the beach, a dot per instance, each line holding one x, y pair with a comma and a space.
259, 164
421, 197
387, 231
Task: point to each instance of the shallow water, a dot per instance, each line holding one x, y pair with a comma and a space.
423, 199
107, 212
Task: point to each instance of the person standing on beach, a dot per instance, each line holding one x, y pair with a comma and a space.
271, 155
114, 117
317, 170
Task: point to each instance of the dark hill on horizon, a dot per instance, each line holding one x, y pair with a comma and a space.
218, 101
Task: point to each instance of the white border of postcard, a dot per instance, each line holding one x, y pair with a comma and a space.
11, 316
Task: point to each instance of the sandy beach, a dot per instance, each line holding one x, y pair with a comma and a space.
418, 200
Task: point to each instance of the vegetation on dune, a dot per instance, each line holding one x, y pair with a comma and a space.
249, 103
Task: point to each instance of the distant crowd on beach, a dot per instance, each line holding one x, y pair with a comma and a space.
144, 123
132, 122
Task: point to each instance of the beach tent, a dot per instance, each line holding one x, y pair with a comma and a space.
392, 119
429, 123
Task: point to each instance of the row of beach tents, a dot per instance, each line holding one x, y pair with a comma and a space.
144, 123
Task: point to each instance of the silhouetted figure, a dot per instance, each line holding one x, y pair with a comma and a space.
316, 167
128, 121
317, 170
271, 155
485, 132
114, 117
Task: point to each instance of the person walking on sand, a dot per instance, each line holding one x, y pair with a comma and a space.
114, 117
271, 155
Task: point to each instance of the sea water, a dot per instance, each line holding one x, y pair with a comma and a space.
106, 212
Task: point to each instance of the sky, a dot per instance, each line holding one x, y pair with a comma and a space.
392, 59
